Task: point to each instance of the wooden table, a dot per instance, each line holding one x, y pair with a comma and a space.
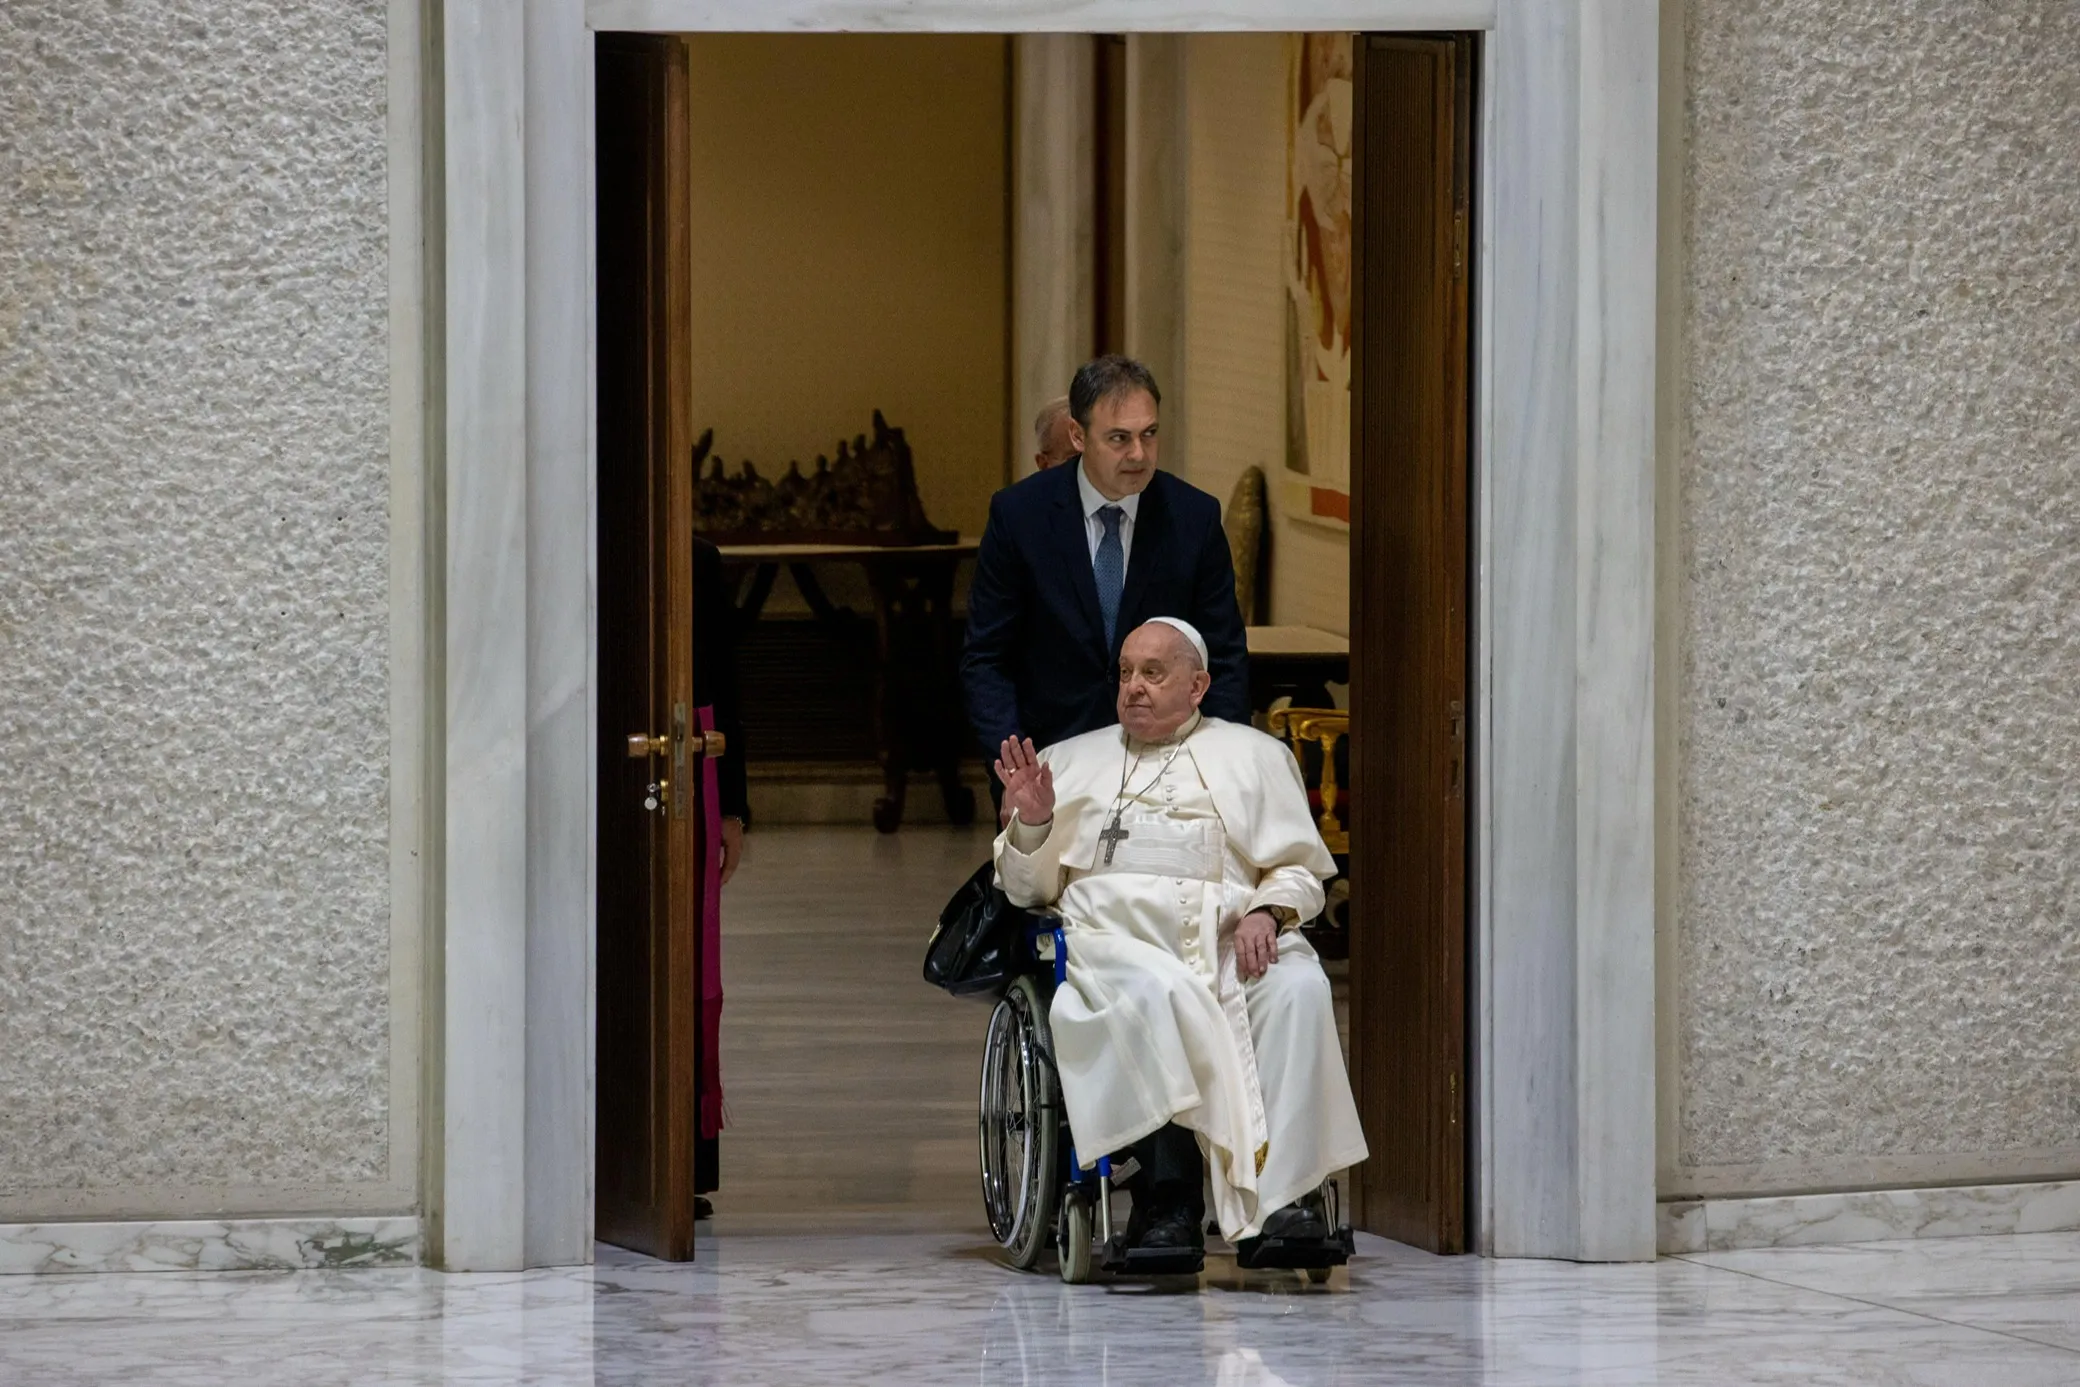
918, 718
1296, 662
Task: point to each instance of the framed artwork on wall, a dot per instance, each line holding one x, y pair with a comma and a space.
1315, 482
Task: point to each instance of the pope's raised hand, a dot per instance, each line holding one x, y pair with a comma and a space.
1028, 784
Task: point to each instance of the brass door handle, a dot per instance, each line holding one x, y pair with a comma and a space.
712, 744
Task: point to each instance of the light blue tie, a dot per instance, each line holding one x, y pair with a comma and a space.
1109, 568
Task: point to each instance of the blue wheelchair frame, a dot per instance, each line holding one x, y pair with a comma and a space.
1097, 1182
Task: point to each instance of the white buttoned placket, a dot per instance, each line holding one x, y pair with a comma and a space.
1180, 795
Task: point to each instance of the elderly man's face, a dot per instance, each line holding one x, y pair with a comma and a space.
1119, 448
1160, 682
1059, 445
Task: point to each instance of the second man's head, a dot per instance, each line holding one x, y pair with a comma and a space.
1113, 403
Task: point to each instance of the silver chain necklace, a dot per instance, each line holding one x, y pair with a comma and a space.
1113, 834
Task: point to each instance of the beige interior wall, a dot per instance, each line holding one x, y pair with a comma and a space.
1234, 388
1874, 956
849, 243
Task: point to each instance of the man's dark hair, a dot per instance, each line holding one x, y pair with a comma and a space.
1108, 375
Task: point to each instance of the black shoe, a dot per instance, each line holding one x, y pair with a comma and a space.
1171, 1231
1303, 1218
703, 1207
1162, 1237
1297, 1237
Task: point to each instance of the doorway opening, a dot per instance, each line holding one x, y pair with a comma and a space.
806, 246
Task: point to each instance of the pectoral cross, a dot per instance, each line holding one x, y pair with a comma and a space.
1112, 836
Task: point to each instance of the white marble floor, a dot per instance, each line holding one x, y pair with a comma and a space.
849, 1249
936, 1308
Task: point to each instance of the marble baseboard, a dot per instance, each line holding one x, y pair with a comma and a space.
1862, 1216
261, 1244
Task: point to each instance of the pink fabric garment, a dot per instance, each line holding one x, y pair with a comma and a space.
711, 941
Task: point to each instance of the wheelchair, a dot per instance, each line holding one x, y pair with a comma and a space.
1036, 1193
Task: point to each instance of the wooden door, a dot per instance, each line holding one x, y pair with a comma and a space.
1409, 596
650, 844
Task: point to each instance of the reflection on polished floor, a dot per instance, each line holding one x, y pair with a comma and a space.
849, 1247
851, 1082
935, 1308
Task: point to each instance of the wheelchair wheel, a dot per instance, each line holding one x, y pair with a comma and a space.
1073, 1245
1020, 1126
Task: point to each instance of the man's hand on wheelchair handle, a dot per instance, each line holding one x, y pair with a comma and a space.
1256, 944
1028, 785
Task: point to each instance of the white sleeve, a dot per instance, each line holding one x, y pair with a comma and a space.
1029, 861
1290, 885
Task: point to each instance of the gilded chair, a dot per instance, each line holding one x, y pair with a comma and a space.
1325, 727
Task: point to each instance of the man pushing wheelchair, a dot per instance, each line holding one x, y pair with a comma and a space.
1192, 1028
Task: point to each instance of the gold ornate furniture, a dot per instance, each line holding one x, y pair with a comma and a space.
862, 509
1325, 727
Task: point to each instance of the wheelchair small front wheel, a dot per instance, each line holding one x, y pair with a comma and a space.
1019, 1126
1073, 1249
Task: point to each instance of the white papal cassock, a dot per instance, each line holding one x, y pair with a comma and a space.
1155, 1024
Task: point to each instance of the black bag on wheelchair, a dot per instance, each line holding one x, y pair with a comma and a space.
978, 947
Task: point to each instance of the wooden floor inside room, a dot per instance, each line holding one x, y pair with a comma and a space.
851, 1082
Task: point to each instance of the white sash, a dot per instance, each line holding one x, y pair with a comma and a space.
1161, 846
1157, 844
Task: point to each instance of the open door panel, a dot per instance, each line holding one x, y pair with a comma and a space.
650, 854
1410, 409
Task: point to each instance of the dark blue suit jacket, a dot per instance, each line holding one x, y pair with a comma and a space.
1036, 663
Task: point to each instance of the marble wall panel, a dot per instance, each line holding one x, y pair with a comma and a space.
1877, 971
195, 985
479, 1189
1863, 1216
266, 1244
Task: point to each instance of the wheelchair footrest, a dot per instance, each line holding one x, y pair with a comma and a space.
1297, 1254
1122, 1260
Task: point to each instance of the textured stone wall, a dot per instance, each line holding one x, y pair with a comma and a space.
1879, 966
194, 917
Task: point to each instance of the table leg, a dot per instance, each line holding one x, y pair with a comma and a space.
917, 685
889, 741
947, 723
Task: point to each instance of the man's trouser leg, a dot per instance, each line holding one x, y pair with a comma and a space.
1172, 1178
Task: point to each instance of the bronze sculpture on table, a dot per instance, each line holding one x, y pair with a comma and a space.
868, 496
864, 504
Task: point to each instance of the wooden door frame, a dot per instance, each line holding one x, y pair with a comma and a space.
1563, 678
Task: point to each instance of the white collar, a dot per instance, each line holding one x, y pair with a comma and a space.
1184, 730
1094, 500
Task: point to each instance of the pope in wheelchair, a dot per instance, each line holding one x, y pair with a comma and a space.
1190, 1034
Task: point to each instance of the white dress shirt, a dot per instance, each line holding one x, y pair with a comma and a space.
1094, 528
